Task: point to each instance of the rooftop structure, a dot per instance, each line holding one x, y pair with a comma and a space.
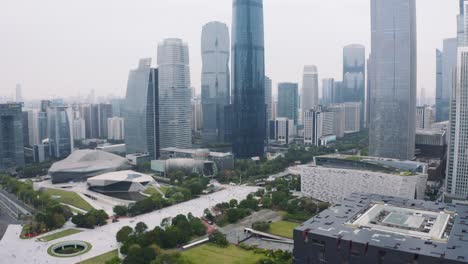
367, 228
222, 160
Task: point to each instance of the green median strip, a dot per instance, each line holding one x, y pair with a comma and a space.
64, 233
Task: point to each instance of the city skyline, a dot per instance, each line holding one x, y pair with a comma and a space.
22, 63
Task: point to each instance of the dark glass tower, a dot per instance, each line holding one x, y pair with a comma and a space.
248, 85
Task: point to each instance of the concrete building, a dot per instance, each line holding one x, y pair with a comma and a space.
339, 119
393, 79
11, 136
370, 228
354, 76
215, 87
318, 127
174, 94
248, 85
332, 178
424, 117
79, 129
288, 101
141, 126
116, 128
310, 88
353, 117
282, 130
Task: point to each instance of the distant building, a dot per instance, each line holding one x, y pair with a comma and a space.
224, 161
59, 131
424, 117
105, 112
339, 119
19, 94
354, 76
25, 118
353, 117
446, 67
118, 107
288, 101
282, 130
79, 129
11, 136
318, 127
328, 89
197, 115
116, 128
310, 88
371, 228
268, 100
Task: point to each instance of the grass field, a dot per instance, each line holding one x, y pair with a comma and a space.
209, 254
70, 198
101, 259
64, 233
283, 228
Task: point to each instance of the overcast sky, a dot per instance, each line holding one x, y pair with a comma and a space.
65, 48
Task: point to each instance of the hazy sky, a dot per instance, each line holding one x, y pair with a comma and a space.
64, 48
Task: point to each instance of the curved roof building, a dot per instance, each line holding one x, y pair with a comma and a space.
121, 181
83, 164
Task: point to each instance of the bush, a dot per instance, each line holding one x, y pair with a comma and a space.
261, 226
120, 210
219, 239
91, 219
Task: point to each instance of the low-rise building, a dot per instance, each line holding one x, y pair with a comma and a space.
223, 161
281, 130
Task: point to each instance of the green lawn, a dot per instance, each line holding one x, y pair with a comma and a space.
101, 259
209, 254
70, 198
64, 233
283, 228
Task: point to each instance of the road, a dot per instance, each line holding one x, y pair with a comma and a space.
15, 250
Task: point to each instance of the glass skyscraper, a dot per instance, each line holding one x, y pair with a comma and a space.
141, 111
310, 93
11, 136
394, 77
215, 92
354, 76
288, 101
248, 85
60, 135
446, 66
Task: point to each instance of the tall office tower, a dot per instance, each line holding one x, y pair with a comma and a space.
447, 63
117, 107
457, 162
354, 76
369, 89
461, 37
310, 94
215, 92
105, 112
337, 94
141, 111
288, 101
439, 84
339, 119
281, 130
59, 131
422, 97
11, 136
79, 129
25, 118
198, 120
33, 127
90, 113
42, 120
116, 128
424, 117
19, 94
393, 94
328, 88
318, 125
248, 85
174, 94
352, 117
268, 97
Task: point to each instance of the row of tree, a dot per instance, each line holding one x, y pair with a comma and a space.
91, 219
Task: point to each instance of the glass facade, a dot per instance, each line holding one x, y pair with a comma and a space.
248, 85
288, 98
354, 76
310, 93
11, 136
393, 83
446, 66
60, 135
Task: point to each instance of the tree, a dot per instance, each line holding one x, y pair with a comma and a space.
219, 239
233, 203
198, 228
120, 210
261, 226
123, 234
140, 227
171, 258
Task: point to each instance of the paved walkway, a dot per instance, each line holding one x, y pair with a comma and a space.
15, 250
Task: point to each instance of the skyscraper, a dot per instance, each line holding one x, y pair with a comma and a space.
328, 88
393, 84
248, 68
79, 129
11, 136
439, 85
116, 128
354, 76
59, 131
288, 101
447, 63
268, 98
215, 92
105, 112
19, 94
310, 94
174, 94
141, 110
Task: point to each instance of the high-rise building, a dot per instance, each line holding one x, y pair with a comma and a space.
424, 117
104, 113
116, 128
90, 113
11, 136
281, 130
198, 120
248, 85
174, 94
288, 101
318, 125
59, 131
393, 85
339, 119
354, 76
310, 94
328, 88
268, 97
439, 85
215, 92
117, 107
446, 66
19, 94
352, 117
141, 113
25, 118
79, 129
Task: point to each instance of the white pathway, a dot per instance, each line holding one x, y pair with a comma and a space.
15, 250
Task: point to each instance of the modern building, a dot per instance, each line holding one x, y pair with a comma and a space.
248, 85
25, 118
331, 178
105, 112
282, 130
215, 87
19, 94
118, 106
328, 89
424, 117
224, 161
310, 88
353, 117
446, 66
439, 86
60, 131
339, 119
197, 115
201, 167
83, 164
318, 127
116, 128
354, 76
90, 113
11, 136
370, 228
268, 100
431, 143
141, 127
394, 77
79, 129
288, 101
174, 94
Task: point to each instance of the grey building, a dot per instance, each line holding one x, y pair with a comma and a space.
104, 113
174, 94
117, 107
11, 136
59, 131
215, 91
141, 110
375, 229
354, 76
25, 118
446, 67
439, 85
268, 98
328, 88
288, 100
248, 85
393, 81
310, 94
